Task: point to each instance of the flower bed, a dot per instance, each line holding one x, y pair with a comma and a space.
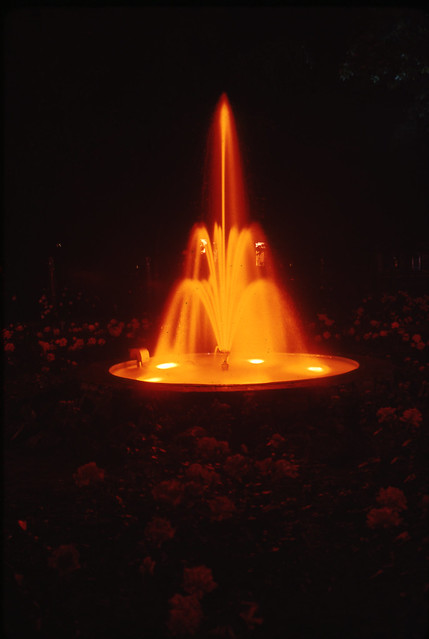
284, 513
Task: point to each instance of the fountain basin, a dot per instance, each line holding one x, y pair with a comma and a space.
203, 371
229, 297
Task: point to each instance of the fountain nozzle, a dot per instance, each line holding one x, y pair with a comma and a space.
224, 355
141, 355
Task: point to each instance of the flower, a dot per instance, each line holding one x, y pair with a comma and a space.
221, 508
404, 536
77, 345
416, 338
197, 472
7, 334
88, 474
265, 466
147, 566
386, 414
101, 341
277, 469
9, 347
185, 615
198, 581
249, 615
412, 416
284, 468
322, 317
170, 491
159, 530
50, 357
382, 517
46, 346
65, 559
236, 466
133, 327
220, 406
145, 323
115, 328
277, 441
212, 447
92, 341
62, 342
392, 497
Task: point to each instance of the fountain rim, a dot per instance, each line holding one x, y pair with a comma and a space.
370, 368
165, 387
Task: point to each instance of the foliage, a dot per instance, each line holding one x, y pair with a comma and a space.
225, 517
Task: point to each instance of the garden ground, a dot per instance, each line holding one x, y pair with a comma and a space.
298, 513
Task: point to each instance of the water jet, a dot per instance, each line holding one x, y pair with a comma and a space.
228, 324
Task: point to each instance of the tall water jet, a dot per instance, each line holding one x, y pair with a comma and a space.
228, 325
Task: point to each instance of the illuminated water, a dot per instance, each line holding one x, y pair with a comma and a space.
228, 324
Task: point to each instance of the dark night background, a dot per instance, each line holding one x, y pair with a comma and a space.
132, 510
107, 113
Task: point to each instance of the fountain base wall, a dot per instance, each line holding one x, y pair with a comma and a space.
200, 372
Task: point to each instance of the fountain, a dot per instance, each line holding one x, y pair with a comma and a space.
228, 325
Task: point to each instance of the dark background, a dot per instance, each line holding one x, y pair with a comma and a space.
106, 118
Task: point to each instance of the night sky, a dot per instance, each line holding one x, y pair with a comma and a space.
107, 113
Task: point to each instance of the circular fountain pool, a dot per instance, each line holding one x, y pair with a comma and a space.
229, 297
206, 372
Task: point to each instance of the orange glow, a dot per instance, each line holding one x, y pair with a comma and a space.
226, 313
225, 301
205, 370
